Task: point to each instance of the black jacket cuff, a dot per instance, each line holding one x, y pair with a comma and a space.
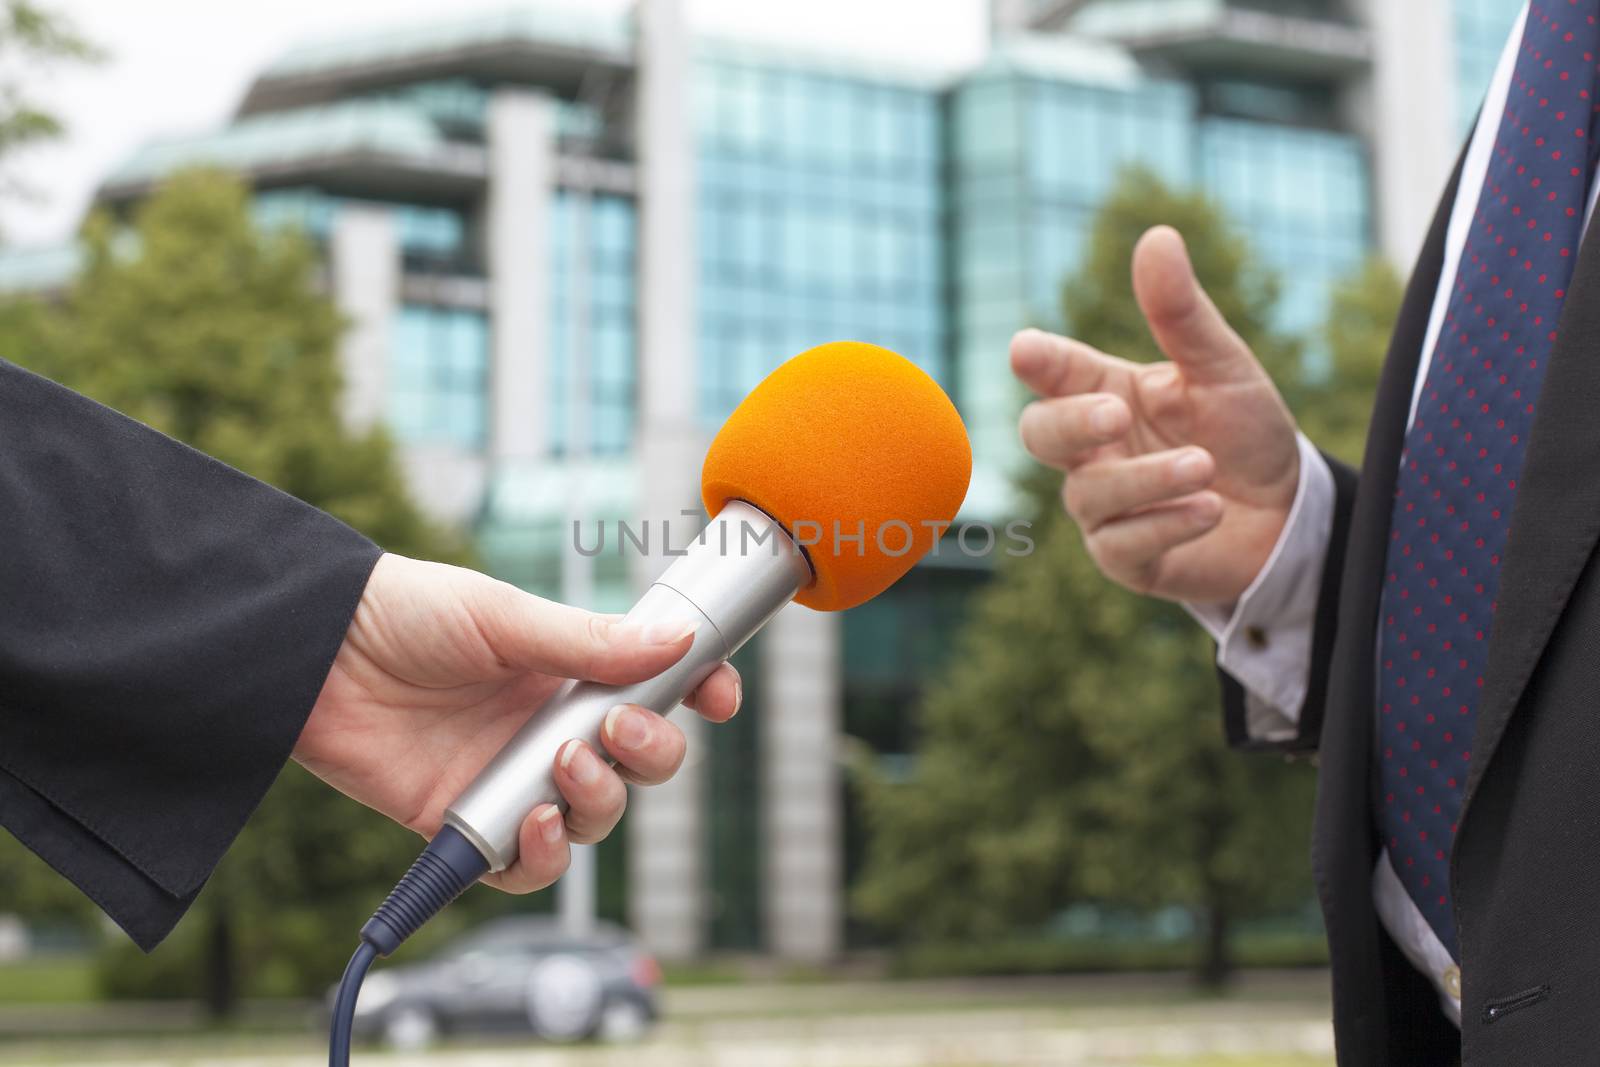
166, 625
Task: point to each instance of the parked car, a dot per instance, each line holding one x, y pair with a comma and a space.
516, 975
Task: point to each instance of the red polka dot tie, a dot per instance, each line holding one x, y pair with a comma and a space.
1464, 450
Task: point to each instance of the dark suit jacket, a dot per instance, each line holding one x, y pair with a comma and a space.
1526, 866
166, 624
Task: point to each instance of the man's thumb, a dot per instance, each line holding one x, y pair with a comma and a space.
1186, 324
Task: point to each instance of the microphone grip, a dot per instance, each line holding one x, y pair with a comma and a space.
739, 573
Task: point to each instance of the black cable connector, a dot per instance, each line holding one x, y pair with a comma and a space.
446, 868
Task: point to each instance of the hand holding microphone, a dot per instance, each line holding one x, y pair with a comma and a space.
1180, 475
442, 664
832, 478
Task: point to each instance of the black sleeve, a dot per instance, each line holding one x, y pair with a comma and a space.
1309, 730
166, 624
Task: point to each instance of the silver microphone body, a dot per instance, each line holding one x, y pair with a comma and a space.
740, 571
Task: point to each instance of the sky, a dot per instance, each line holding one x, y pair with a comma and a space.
179, 66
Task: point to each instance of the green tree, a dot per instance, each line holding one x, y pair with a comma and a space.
1361, 316
199, 325
1073, 749
32, 38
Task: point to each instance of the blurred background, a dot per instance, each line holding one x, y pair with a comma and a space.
467, 275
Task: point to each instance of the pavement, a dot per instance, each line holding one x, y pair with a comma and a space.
1110, 1021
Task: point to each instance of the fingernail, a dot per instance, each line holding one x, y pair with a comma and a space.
738, 690
666, 632
1190, 467
550, 824
627, 728
580, 763
1103, 418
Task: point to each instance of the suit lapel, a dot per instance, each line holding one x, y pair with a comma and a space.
1556, 519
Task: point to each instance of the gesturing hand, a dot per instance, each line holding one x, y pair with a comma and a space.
441, 666
1180, 475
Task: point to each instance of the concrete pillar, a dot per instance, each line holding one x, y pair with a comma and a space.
1411, 106
364, 267
802, 822
1008, 16
521, 136
666, 828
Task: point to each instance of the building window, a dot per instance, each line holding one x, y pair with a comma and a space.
598, 231
1301, 197
1481, 30
438, 375
820, 220
429, 236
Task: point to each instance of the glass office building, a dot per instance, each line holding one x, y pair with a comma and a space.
820, 217
502, 201
1480, 36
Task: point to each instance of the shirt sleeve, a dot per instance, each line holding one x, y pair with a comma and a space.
1264, 641
168, 624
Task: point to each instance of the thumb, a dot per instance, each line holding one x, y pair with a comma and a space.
533, 634
1186, 324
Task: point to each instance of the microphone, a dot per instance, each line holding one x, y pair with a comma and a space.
736, 575
828, 482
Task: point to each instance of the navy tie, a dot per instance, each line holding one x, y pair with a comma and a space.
1465, 447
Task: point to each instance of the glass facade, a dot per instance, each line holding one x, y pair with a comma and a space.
1481, 27
1302, 198
1031, 159
430, 236
438, 376
608, 341
819, 214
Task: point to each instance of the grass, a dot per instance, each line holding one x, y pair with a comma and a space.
1240, 1061
1098, 955
47, 980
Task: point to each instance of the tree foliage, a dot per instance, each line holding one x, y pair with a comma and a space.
1361, 315
32, 38
194, 322
1072, 751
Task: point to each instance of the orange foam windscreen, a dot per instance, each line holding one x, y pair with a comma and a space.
854, 450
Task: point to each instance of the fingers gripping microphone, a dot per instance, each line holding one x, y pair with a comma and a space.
828, 482
729, 582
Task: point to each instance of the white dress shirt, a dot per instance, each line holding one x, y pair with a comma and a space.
1264, 641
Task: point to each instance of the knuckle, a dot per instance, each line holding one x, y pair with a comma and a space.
1141, 579
1030, 427
1077, 498
1120, 562
598, 630
1104, 554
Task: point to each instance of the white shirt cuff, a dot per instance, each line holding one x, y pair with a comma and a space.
1264, 641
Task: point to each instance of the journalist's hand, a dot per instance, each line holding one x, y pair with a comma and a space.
1179, 474
440, 667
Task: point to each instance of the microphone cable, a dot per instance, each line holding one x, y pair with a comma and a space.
446, 868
